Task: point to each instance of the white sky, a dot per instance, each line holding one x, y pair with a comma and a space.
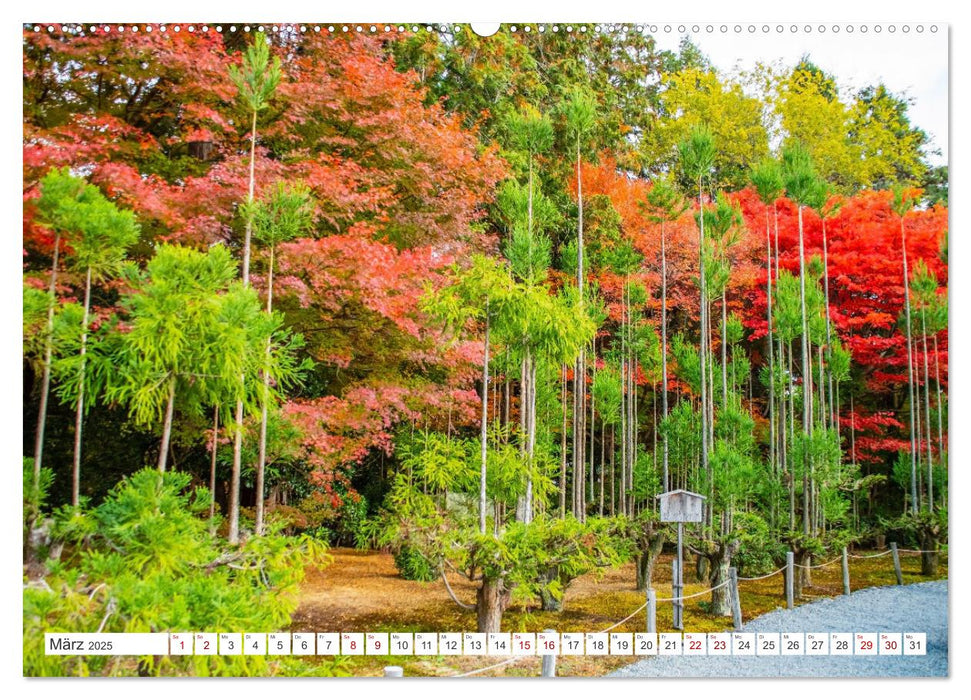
912, 64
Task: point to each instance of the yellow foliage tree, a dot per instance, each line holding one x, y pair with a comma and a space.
692, 97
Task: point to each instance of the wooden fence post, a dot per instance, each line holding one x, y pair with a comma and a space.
846, 572
651, 610
896, 563
394, 672
736, 600
790, 582
549, 663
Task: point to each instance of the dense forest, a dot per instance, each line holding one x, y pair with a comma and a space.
475, 300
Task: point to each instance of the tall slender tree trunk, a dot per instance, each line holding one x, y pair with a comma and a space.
807, 394
234, 480
823, 413
233, 534
623, 422
829, 323
79, 413
613, 473
563, 442
532, 438
632, 432
592, 417
940, 412
792, 442
264, 408
910, 372
45, 386
724, 349
603, 462
577, 445
580, 417
701, 347
664, 360
252, 190
163, 453
507, 394
919, 427
927, 415
212, 463
524, 509
484, 433
771, 343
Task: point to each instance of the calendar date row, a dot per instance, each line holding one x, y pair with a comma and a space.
492, 644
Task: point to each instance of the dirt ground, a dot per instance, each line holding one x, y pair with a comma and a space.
361, 591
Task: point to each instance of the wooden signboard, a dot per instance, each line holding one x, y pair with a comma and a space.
681, 506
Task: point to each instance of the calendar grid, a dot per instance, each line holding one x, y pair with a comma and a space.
500, 644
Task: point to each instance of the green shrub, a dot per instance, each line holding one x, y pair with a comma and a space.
413, 566
145, 561
759, 550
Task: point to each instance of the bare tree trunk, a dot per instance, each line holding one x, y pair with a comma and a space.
507, 390
491, 600
613, 474
603, 462
803, 577
807, 394
563, 443
577, 443
524, 508
940, 410
623, 426
581, 360
823, 413
724, 349
238, 438
792, 441
646, 559
721, 598
633, 431
264, 401
532, 438
163, 453
79, 414
593, 424
212, 464
233, 535
549, 602
701, 346
768, 307
484, 433
664, 359
581, 443
829, 338
910, 372
45, 387
927, 414
252, 187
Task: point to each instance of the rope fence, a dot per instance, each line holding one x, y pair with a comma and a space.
789, 574
759, 578
512, 659
819, 566
923, 551
618, 624
693, 595
871, 556
486, 668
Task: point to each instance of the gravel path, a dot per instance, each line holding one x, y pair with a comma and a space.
920, 607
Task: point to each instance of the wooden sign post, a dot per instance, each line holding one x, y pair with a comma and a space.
680, 507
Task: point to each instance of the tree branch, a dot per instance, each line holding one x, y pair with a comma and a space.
448, 588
